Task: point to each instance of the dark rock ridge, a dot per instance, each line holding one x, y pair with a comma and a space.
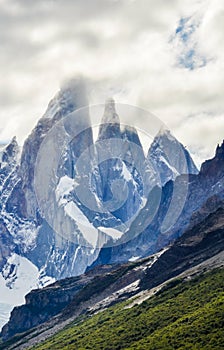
195, 246
10, 153
6, 244
212, 166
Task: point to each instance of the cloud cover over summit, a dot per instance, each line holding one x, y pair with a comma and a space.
164, 56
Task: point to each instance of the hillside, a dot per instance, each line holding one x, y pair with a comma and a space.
186, 314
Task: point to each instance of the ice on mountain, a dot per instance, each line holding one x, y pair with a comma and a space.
64, 187
126, 174
19, 274
5, 310
112, 232
89, 232
134, 258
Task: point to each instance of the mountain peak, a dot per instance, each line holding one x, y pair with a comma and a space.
110, 115
74, 89
11, 151
110, 123
164, 132
110, 102
71, 96
219, 154
168, 155
216, 164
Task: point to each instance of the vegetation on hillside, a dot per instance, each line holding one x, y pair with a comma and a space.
184, 315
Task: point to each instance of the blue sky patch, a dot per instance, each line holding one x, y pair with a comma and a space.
188, 55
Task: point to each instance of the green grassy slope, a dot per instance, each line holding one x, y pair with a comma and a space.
184, 315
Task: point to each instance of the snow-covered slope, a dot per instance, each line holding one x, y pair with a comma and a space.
18, 277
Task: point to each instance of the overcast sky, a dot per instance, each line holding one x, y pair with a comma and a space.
164, 56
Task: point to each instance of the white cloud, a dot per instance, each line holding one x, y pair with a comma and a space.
125, 48
202, 132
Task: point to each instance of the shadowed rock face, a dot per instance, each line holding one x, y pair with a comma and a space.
11, 152
6, 244
215, 165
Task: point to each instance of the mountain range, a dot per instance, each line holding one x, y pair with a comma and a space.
27, 230
76, 207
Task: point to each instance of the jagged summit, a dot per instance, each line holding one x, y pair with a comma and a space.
220, 151
170, 157
163, 131
75, 90
130, 133
110, 114
11, 151
216, 164
164, 134
110, 123
71, 96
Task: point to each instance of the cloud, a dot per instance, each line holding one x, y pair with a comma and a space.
164, 56
202, 132
185, 39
